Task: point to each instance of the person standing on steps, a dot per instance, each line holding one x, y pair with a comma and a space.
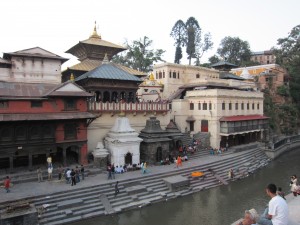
7, 184
82, 172
113, 171
39, 174
109, 172
73, 177
117, 188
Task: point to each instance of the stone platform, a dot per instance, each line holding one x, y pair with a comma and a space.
176, 183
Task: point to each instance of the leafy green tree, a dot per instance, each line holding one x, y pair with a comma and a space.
234, 50
139, 55
179, 34
214, 59
288, 56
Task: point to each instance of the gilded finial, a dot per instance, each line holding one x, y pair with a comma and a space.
95, 34
151, 77
72, 77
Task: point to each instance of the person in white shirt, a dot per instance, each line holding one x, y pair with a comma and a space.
277, 212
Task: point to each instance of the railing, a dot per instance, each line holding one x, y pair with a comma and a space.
286, 140
128, 107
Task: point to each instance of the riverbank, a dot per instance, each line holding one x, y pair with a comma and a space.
95, 195
294, 205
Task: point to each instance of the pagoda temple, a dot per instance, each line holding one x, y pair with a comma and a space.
91, 53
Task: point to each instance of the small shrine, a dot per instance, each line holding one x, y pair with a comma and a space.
123, 143
175, 135
150, 90
100, 155
156, 142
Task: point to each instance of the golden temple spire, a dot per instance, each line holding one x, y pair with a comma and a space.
151, 77
95, 34
72, 77
105, 60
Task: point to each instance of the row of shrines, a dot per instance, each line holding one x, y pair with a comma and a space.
45, 112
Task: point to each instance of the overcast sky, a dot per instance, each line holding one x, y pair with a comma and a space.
57, 25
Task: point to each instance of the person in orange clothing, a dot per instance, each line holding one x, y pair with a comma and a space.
179, 161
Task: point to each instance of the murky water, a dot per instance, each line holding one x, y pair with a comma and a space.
218, 206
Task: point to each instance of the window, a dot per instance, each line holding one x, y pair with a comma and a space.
36, 104
248, 106
242, 106
236, 106
70, 104
156, 76
163, 74
199, 106
204, 106
178, 75
257, 105
20, 133
229, 106
197, 75
6, 133
70, 131
170, 74
223, 106
191, 125
174, 74
160, 75
3, 104
252, 106
204, 125
191, 106
209, 106
47, 131
34, 132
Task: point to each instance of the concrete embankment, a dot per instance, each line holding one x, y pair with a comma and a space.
95, 196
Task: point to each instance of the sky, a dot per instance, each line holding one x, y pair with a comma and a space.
57, 25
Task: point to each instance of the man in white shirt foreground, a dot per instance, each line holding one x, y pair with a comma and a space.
277, 212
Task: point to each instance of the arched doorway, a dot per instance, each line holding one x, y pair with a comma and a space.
159, 154
72, 154
98, 97
106, 96
114, 97
128, 158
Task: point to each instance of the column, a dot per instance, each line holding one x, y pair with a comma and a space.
11, 163
65, 156
30, 160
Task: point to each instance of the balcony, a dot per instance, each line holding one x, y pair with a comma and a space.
141, 107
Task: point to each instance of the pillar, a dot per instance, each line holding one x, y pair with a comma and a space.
11, 163
30, 160
65, 156
83, 155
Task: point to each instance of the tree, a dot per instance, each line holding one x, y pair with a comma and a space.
288, 56
214, 59
139, 55
192, 29
179, 34
234, 50
202, 47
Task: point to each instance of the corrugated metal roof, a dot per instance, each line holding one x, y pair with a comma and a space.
225, 75
130, 70
12, 90
86, 65
46, 116
223, 63
100, 42
108, 71
243, 118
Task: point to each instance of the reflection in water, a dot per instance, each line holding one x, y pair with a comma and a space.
217, 206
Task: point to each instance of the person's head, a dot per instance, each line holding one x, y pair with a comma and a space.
7, 177
279, 189
271, 190
251, 217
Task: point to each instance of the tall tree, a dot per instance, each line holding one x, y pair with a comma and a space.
202, 46
179, 34
234, 50
193, 30
139, 55
288, 56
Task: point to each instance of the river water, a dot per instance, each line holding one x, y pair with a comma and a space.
217, 206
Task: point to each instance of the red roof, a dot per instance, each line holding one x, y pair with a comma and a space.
242, 118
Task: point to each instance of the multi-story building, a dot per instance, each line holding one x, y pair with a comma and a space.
39, 116
263, 57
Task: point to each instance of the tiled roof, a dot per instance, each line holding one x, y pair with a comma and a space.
46, 116
243, 118
86, 65
226, 75
35, 52
10, 90
100, 42
223, 63
90, 64
108, 71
